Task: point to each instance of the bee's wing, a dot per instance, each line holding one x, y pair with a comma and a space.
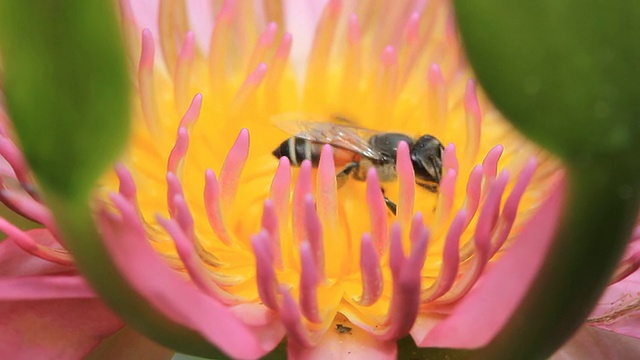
327, 131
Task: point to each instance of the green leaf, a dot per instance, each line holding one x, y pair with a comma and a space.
565, 72
67, 89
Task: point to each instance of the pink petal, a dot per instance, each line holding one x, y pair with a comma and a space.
146, 14
498, 293
262, 319
54, 329
14, 261
170, 293
5, 169
46, 287
595, 344
618, 309
47, 310
353, 344
129, 344
307, 15
201, 21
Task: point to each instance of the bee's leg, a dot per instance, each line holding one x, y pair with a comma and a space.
431, 187
390, 204
343, 175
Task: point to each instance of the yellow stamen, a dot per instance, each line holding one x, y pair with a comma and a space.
403, 75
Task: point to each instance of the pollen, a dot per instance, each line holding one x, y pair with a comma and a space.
247, 227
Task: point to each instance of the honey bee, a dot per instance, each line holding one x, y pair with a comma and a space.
356, 149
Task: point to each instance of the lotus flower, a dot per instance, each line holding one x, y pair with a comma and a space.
242, 249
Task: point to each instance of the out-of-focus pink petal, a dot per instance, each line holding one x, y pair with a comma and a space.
146, 14
129, 344
596, 344
492, 301
47, 310
6, 169
14, 261
305, 20
54, 329
173, 295
263, 320
201, 21
45, 287
344, 340
618, 309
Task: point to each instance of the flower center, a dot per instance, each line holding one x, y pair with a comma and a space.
267, 229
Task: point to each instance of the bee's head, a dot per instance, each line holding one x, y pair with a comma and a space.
426, 157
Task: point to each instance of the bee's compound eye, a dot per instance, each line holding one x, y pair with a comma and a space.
426, 157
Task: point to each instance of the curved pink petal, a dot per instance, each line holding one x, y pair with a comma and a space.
596, 344
54, 329
6, 169
265, 322
47, 309
618, 309
46, 287
15, 261
307, 16
129, 344
145, 12
344, 340
201, 21
173, 295
498, 293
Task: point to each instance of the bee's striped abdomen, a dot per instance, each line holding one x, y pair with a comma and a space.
297, 150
